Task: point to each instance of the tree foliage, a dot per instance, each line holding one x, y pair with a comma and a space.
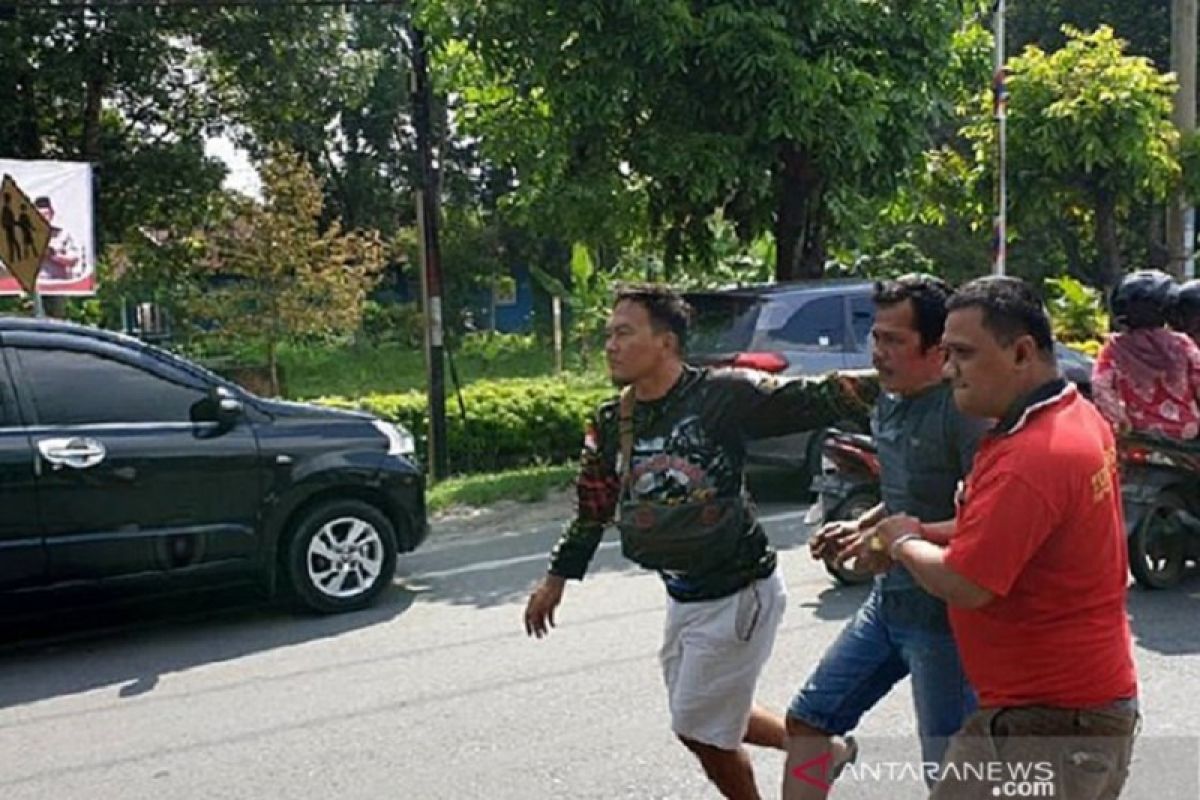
1089, 128
271, 272
666, 111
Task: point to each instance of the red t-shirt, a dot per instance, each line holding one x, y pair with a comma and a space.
1040, 527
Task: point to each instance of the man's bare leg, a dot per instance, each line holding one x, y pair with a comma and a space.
804, 744
766, 729
729, 770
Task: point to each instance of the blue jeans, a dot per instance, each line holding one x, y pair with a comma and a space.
873, 654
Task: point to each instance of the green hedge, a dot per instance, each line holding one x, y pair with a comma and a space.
509, 423
520, 422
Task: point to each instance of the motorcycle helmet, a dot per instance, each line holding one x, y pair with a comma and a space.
1185, 314
1142, 299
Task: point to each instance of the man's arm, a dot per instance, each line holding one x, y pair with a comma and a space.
926, 561
911, 543
597, 490
938, 532
65, 253
764, 405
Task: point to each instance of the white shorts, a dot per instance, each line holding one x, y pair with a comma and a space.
712, 654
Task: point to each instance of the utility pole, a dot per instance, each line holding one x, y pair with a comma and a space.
1000, 108
431, 256
1181, 228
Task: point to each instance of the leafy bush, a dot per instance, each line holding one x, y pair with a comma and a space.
401, 323
509, 423
1077, 310
490, 346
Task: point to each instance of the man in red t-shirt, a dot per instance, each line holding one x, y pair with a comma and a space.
1033, 567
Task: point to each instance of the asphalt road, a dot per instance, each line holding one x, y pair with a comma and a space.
437, 693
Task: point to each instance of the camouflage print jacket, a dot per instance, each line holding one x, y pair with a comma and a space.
690, 444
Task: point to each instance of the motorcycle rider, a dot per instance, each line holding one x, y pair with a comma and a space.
1185, 310
1147, 377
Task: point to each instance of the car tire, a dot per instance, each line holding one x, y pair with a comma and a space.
1156, 558
340, 556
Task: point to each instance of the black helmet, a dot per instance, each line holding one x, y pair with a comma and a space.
1186, 306
1142, 298
1187, 299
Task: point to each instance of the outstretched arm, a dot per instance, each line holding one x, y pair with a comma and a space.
764, 405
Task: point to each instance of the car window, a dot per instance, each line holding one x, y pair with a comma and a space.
69, 387
862, 317
818, 324
722, 323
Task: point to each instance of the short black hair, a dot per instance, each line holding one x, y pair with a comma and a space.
1011, 309
667, 309
43, 202
928, 295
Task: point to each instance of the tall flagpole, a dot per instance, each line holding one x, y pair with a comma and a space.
1000, 106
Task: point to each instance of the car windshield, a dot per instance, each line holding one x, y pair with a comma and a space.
722, 323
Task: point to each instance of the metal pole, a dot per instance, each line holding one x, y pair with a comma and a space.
1000, 99
427, 219
1180, 221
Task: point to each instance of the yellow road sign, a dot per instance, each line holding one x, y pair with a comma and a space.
24, 234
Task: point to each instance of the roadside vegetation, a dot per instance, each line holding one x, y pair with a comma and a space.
531, 484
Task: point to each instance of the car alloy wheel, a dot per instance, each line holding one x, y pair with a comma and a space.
344, 557
341, 555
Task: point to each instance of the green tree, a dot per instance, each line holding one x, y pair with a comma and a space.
272, 273
663, 112
1089, 128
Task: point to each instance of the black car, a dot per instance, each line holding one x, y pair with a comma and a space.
802, 328
121, 461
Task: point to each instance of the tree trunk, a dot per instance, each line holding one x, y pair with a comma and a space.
671, 252
1106, 240
92, 38
1158, 255
799, 249
273, 366
29, 143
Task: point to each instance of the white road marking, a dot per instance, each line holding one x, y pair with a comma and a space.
501, 563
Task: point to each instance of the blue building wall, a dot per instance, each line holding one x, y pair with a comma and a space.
516, 316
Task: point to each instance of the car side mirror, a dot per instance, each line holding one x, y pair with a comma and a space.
225, 406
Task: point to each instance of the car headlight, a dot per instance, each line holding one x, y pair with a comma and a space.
400, 442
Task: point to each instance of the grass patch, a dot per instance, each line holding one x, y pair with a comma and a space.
529, 485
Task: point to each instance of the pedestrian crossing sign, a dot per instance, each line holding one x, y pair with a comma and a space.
24, 234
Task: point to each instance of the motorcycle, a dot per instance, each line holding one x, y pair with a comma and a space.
1160, 493
847, 488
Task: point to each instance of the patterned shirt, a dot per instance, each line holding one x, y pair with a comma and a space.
689, 445
1148, 380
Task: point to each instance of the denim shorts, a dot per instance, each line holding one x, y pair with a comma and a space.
871, 655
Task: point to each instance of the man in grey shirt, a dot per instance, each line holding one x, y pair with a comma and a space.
925, 448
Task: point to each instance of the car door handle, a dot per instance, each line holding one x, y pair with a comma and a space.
76, 452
